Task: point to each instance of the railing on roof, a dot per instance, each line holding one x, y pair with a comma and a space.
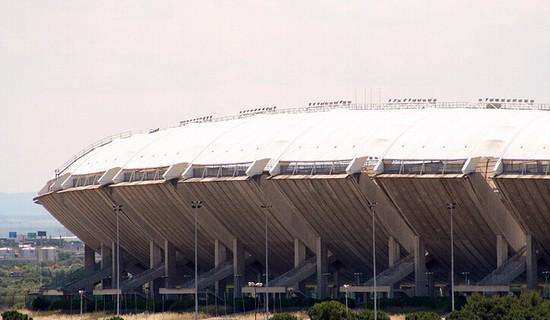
392, 106
151, 174
89, 149
221, 170
325, 108
423, 166
314, 167
526, 167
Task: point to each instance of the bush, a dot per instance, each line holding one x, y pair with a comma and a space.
283, 316
463, 315
328, 310
423, 315
15, 315
116, 318
528, 306
369, 315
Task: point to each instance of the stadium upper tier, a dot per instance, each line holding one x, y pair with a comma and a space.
330, 135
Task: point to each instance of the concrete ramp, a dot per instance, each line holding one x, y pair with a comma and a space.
209, 278
88, 280
142, 278
290, 278
510, 270
396, 273
296, 275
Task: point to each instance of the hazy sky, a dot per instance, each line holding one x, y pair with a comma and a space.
72, 72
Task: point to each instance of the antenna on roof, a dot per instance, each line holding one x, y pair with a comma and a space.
497, 103
196, 120
249, 112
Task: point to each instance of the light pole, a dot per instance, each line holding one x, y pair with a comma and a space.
254, 286
372, 207
451, 206
196, 205
81, 293
117, 209
346, 287
266, 207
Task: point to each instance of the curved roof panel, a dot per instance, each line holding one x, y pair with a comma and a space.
340, 134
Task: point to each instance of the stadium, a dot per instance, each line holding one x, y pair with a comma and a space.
431, 197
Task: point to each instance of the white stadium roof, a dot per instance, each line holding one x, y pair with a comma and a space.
336, 134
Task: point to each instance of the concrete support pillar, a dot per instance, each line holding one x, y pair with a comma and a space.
299, 258
89, 259
169, 264
220, 256
155, 260
321, 254
299, 252
89, 264
502, 250
238, 267
394, 251
419, 267
336, 285
531, 263
106, 262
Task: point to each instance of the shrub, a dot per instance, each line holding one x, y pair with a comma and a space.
328, 310
15, 315
284, 316
528, 306
369, 315
423, 315
116, 318
463, 315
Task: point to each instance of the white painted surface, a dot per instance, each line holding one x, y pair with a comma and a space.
340, 134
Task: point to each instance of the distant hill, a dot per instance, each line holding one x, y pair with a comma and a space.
19, 213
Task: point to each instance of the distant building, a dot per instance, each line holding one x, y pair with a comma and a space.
47, 254
7, 253
27, 252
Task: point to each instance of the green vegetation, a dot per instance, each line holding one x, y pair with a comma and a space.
328, 310
334, 310
528, 306
423, 315
15, 315
116, 318
21, 278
